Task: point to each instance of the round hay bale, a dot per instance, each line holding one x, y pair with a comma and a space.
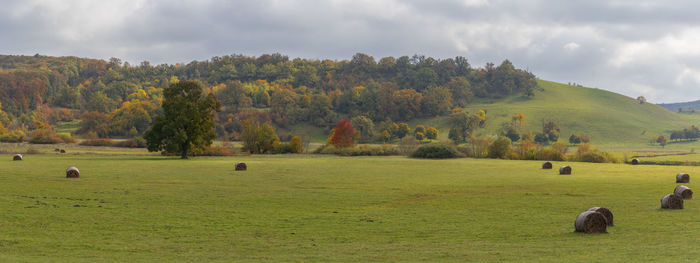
63, 151
590, 222
672, 201
72, 172
682, 178
17, 157
565, 170
635, 161
684, 192
241, 166
605, 212
547, 165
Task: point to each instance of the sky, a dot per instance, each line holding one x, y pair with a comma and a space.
636, 48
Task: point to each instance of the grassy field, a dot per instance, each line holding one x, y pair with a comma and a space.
322, 208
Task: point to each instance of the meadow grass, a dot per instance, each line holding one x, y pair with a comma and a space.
326, 208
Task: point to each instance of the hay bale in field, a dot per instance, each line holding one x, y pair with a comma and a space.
241, 166
682, 178
17, 157
684, 192
605, 212
635, 161
547, 165
565, 170
63, 151
672, 201
591, 222
72, 172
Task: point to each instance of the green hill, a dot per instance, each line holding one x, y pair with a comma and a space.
610, 119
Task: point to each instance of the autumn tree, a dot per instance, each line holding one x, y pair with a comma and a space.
95, 122
258, 137
436, 100
234, 97
187, 123
550, 129
283, 102
500, 148
431, 133
364, 126
461, 91
343, 135
661, 140
403, 130
462, 124
419, 128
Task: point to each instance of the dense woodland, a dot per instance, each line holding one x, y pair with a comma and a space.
115, 99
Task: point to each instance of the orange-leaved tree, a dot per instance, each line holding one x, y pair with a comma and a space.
343, 135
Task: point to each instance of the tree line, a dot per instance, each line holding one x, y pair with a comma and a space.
116, 99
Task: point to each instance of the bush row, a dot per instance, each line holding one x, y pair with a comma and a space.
359, 150
137, 142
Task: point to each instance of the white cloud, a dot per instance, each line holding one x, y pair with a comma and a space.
571, 46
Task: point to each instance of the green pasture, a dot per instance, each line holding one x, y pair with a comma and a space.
135, 208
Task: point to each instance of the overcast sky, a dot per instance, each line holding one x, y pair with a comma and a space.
637, 47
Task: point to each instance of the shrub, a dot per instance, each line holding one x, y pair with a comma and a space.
595, 156
137, 142
360, 150
435, 151
66, 137
16, 135
407, 146
431, 133
549, 154
419, 128
44, 136
283, 148
560, 146
97, 142
592, 157
500, 148
295, 145
420, 136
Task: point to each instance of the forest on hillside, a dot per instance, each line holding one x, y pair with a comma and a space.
115, 99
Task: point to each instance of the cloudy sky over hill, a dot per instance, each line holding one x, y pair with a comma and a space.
649, 48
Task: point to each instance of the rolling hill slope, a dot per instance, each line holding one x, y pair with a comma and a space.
608, 118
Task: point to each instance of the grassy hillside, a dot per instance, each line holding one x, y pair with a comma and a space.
304, 208
609, 118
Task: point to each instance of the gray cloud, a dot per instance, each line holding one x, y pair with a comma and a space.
632, 47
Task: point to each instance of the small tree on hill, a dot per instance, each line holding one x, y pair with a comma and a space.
343, 135
419, 128
462, 124
187, 123
420, 136
661, 140
431, 133
403, 130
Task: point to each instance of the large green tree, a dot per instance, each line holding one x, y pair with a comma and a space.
187, 123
